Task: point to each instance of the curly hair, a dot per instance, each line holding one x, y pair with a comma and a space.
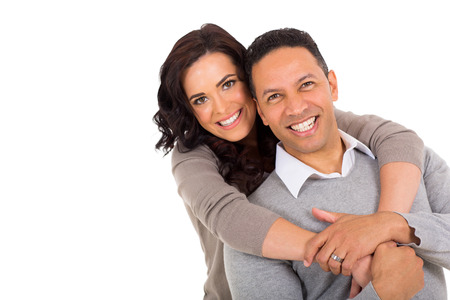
176, 120
237, 168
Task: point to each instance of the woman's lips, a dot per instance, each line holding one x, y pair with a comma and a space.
230, 120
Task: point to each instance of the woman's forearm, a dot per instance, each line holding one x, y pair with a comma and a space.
389, 141
399, 184
221, 209
285, 240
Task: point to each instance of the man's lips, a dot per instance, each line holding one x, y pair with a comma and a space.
304, 126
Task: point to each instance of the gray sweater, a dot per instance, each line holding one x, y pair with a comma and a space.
253, 277
220, 213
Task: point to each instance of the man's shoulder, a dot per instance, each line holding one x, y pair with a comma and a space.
432, 161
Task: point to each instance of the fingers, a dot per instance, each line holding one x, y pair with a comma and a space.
335, 262
323, 258
355, 289
345, 267
324, 254
318, 241
313, 246
326, 216
349, 262
385, 245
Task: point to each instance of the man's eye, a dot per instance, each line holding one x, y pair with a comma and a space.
273, 97
306, 84
229, 84
200, 101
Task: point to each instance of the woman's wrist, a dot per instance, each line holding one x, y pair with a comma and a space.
285, 240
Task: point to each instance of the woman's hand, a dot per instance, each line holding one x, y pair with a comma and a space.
362, 271
350, 237
361, 274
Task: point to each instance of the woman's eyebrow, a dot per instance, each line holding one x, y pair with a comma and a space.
217, 85
224, 78
195, 96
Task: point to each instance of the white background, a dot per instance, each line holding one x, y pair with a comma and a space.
88, 208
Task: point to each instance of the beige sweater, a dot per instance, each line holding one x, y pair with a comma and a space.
220, 213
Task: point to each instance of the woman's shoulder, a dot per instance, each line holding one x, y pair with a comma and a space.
181, 153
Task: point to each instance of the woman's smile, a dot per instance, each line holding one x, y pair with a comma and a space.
230, 122
219, 98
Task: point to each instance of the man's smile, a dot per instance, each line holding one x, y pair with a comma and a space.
304, 126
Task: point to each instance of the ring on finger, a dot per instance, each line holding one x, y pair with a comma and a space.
336, 258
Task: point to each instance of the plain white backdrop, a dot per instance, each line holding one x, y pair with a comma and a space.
88, 208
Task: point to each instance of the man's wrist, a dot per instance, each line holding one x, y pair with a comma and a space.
399, 229
384, 291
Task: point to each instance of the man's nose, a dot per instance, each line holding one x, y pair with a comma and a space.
295, 105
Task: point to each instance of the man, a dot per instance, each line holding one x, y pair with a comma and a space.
295, 94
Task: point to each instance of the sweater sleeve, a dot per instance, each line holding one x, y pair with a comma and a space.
389, 141
220, 207
433, 229
368, 293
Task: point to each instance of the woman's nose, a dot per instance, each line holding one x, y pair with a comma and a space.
220, 105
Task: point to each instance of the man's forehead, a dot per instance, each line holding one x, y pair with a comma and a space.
284, 57
287, 59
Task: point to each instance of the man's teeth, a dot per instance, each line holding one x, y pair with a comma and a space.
307, 125
230, 120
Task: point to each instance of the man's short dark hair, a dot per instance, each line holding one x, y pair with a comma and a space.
272, 40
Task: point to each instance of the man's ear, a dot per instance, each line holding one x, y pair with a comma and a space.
261, 114
333, 85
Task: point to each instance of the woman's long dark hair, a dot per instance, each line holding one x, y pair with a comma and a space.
176, 120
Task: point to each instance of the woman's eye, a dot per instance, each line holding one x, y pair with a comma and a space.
229, 84
200, 100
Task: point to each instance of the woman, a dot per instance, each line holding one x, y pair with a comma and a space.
222, 152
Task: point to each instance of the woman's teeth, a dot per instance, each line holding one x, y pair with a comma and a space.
231, 120
307, 125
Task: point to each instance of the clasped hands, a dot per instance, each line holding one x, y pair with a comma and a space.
354, 238
350, 237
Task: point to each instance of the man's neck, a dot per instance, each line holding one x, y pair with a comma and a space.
327, 160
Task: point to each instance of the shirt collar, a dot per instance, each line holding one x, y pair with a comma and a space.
294, 173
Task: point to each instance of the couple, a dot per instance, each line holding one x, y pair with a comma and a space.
208, 117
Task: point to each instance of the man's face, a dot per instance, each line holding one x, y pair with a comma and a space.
296, 100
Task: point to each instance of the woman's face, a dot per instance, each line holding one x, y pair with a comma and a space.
221, 102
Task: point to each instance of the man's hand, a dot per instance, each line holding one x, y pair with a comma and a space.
351, 237
397, 272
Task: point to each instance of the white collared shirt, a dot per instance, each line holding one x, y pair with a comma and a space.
294, 173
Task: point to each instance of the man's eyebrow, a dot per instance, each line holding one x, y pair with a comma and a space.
267, 91
309, 75
224, 78
301, 79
